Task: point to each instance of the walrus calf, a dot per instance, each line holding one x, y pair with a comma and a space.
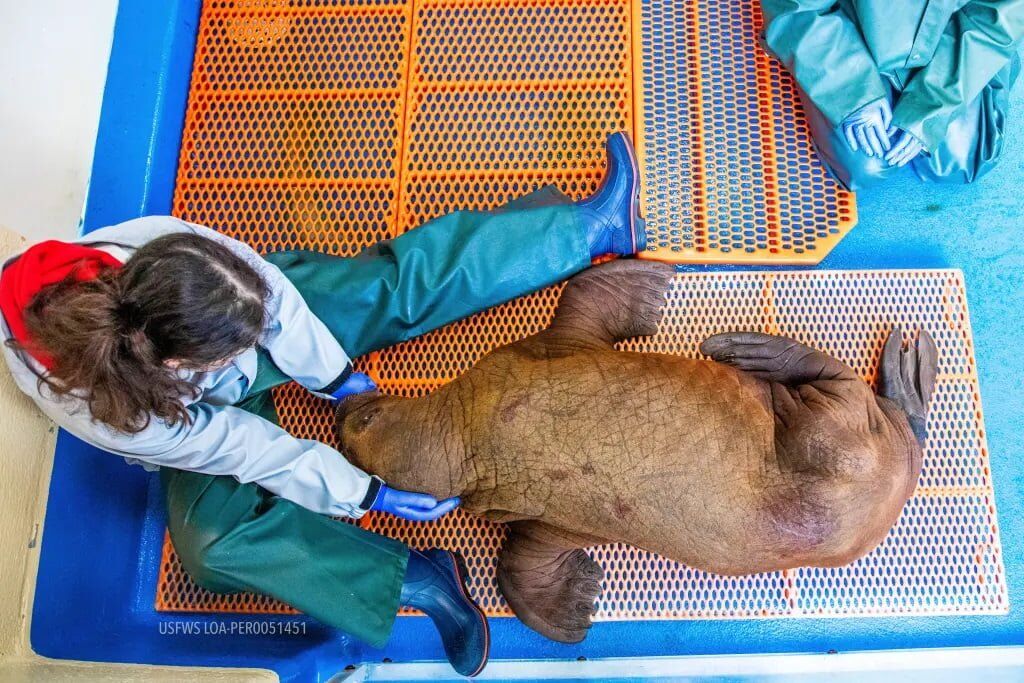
773, 455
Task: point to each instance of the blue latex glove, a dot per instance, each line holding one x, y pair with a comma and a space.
357, 383
904, 149
867, 128
418, 507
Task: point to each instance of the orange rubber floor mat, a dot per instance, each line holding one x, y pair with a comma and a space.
730, 173
942, 557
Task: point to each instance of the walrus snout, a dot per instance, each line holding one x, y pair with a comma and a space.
373, 433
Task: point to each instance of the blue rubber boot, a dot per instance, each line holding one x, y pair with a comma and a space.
435, 584
611, 216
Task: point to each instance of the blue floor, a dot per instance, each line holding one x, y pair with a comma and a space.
104, 528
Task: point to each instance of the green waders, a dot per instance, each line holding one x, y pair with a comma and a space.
238, 537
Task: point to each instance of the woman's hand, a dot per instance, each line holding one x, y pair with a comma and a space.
867, 129
357, 383
906, 148
417, 507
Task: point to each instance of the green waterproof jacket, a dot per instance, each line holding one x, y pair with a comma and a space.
940, 54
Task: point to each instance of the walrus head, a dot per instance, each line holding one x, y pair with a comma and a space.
411, 444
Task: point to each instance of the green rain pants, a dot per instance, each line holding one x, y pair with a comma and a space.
972, 146
239, 537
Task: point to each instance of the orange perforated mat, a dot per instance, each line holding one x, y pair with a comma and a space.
730, 172
943, 556
312, 115
333, 125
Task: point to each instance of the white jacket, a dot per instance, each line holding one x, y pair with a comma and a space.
222, 439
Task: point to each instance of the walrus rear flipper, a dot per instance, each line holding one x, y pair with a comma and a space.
906, 376
549, 581
613, 301
774, 358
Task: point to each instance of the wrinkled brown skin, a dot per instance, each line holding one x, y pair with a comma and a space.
792, 461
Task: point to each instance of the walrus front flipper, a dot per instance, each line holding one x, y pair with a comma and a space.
776, 359
906, 376
549, 581
613, 301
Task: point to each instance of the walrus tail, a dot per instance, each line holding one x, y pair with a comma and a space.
906, 376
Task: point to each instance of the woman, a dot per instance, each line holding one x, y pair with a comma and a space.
160, 341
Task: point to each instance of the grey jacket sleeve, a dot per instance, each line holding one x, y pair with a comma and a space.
225, 440
219, 440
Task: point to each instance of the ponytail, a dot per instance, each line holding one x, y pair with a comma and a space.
182, 297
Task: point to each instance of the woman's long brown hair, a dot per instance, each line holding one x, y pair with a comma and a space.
182, 297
